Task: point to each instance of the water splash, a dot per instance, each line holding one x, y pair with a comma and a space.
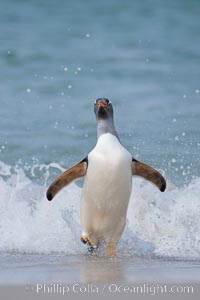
158, 224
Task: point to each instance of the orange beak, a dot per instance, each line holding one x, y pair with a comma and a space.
102, 103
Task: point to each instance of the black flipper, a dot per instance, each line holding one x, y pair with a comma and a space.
76, 171
150, 174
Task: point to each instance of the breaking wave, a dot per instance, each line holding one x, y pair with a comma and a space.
158, 224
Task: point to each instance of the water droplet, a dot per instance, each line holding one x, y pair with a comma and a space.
28, 90
197, 91
176, 138
65, 69
87, 35
174, 120
69, 86
79, 69
183, 133
173, 160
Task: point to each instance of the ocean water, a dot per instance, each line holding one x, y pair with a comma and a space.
56, 58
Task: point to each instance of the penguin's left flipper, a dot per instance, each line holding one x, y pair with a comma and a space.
150, 174
76, 171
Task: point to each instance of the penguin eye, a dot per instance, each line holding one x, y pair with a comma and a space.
107, 101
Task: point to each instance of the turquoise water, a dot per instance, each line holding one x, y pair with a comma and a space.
56, 58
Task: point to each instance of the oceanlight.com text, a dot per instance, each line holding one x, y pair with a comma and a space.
112, 288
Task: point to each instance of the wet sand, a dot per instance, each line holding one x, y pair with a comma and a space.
44, 276
18, 269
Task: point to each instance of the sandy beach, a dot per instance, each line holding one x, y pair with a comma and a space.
32, 269
45, 275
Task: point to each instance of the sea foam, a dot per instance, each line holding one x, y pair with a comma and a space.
158, 224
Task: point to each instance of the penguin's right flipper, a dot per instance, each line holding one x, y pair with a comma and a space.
148, 173
76, 171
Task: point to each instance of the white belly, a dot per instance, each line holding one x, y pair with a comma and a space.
106, 190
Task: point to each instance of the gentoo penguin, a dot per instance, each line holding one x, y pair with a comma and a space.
108, 171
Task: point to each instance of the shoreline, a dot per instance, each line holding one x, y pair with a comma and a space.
69, 269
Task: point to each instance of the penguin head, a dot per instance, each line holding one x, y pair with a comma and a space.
103, 108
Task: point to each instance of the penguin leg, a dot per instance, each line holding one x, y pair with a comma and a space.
148, 173
110, 250
92, 247
86, 240
113, 241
